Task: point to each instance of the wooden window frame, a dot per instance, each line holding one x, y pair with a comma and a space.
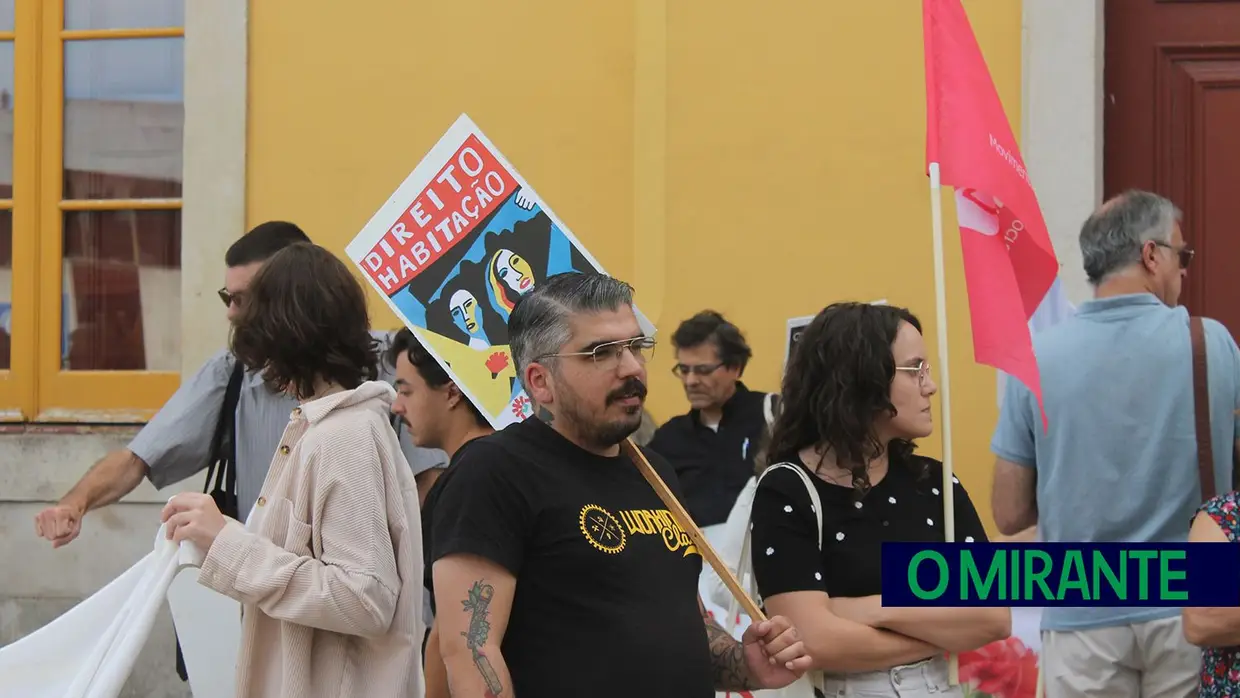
36, 385
18, 385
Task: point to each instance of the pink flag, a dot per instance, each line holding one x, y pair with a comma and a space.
1009, 262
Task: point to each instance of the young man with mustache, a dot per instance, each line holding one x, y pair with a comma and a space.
438, 416
558, 570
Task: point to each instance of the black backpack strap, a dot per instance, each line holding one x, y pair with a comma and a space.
223, 455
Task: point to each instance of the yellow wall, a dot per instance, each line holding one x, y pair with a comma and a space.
762, 159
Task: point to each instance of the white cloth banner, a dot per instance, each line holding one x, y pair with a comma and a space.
90, 651
208, 627
713, 591
1054, 308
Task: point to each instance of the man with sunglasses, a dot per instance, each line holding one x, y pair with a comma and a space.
712, 447
558, 571
1118, 461
178, 442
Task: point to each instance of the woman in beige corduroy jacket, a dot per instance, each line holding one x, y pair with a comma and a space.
328, 566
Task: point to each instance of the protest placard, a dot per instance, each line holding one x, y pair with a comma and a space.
451, 251
462, 239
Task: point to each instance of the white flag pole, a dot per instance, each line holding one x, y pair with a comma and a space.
944, 381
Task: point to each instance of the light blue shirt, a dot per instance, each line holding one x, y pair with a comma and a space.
1119, 460
176, 443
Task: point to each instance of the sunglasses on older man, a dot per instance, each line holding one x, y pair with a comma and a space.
1184, 252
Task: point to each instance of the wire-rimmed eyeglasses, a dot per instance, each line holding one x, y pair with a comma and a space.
682, 370
607, 355
921, 370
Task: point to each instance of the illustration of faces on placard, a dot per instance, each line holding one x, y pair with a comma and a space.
462, 313
467, 317
519, 249
510, 277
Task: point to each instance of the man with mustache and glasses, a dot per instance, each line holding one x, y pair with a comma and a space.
558, 571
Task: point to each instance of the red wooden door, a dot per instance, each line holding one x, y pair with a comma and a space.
1172, 126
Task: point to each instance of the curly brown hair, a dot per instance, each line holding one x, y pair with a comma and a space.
838, 383
305, 321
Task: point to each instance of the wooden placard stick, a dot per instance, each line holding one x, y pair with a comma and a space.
695, 534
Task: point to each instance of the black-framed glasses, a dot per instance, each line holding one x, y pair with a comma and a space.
682, 370
921, 370
1184, 252
607, 355
230, 298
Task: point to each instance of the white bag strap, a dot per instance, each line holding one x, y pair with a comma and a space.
809, 487
743, 565
768, 409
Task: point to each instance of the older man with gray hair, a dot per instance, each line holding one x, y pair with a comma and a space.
1119, 460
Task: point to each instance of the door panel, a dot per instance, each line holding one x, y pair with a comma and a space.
1172, 106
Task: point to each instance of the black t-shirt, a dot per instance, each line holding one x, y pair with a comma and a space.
606, 596
903, 507
432, 496
714, 465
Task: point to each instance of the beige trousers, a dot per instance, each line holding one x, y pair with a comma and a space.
1147, 660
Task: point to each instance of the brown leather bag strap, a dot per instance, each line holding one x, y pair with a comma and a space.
1201, 408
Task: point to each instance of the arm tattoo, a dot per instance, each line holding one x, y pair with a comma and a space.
727, 660
477, 603
545, 414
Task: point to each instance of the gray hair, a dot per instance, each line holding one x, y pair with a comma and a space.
539, 324
1112, 237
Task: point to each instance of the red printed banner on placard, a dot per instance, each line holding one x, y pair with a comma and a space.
463, 193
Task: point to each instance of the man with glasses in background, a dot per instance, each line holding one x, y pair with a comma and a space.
712, 447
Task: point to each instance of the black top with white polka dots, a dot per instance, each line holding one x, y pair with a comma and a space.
904, 506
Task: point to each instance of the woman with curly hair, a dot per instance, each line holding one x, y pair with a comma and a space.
328, 566
855, 396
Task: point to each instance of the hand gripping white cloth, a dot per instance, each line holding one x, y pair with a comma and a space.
90, 651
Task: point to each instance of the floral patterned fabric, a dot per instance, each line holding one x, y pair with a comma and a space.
1220, 666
